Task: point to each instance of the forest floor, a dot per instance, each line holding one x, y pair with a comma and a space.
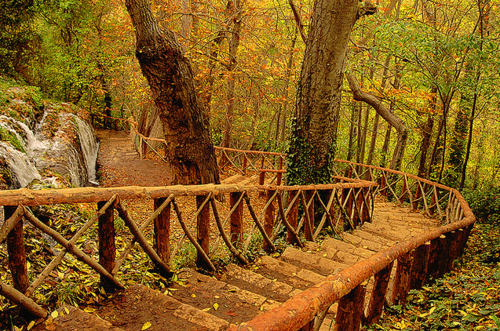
120, 165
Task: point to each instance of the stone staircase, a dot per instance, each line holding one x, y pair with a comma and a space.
199, 302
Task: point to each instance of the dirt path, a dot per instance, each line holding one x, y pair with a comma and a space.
120, 164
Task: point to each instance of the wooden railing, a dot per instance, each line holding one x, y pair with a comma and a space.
230, 160
422, 258
216, 219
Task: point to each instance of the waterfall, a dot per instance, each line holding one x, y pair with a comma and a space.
20, 164
90, 147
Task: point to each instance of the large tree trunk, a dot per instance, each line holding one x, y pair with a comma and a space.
190, 151
314, 130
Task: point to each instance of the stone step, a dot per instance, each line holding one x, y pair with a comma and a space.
391, 232
312, 260
257, 283
71, 318
222, 300
298, 278
132, 308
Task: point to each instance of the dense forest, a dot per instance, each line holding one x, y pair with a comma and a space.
417, 93
432, 65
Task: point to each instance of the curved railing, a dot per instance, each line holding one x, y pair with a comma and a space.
423, 257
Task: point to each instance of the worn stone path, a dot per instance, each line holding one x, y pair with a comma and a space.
200, 302
120, 164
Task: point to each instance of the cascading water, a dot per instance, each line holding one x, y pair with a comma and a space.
90, 147
59, 154
20, 164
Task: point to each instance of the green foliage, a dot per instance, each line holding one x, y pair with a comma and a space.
7, 136
485, 204
303, 163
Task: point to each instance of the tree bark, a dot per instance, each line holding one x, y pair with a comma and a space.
234, 42
314, 129
190, 151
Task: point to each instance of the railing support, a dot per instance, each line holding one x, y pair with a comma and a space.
402, 282
107, 249
203, 226
269, 219
236, 226
162, 231
377, 299
293, 216
17, 253
351, 309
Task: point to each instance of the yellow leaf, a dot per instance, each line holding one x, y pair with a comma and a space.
193, 295
54, 314
146, 326
216, 306
89, 310
31, 325
206, 309
66, 310
60, 275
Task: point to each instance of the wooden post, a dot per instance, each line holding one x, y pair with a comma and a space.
203, 234
377, 299
16, 252
402, 282
420, 265
349, 204
351, 309
383, 184
436, 255
236, 226
245, 163
280, 175
269, 220
309, 220
432, 208
403, 191
293, 216
162, 231
107, 249
418, 195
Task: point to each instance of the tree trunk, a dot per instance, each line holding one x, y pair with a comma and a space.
190, 151
395, 121
314, 128
234, 42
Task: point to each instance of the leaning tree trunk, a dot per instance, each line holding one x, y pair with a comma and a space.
190, 151
314, 130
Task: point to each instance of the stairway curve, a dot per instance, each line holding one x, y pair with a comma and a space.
201, 302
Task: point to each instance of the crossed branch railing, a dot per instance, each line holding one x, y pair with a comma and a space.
239, 215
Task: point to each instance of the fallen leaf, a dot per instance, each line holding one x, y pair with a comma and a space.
54, 314
31, 325
146, 326
216, 306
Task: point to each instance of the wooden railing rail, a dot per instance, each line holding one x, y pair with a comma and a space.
237, 214
422, 258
